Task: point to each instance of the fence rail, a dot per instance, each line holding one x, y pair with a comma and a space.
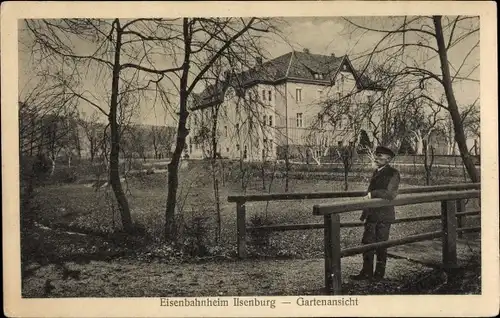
448, 233
241, 200
343, 194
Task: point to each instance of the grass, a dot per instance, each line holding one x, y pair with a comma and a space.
80, 208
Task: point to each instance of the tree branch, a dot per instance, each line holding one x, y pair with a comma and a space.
218, 53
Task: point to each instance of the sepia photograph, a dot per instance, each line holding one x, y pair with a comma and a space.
227, 160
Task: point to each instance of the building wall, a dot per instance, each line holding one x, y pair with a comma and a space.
241, 132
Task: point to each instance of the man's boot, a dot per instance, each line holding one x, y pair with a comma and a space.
380, 265
367, 270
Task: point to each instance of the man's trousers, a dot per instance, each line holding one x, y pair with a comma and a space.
375, 232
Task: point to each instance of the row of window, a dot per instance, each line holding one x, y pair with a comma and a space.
299, 122
268, 146
320, 94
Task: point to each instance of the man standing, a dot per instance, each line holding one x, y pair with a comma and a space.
384, 184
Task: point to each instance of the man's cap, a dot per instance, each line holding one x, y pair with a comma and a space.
385, 150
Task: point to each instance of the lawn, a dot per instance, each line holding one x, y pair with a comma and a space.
111, 265
81, 208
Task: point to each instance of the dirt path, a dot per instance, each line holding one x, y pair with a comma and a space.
128, 278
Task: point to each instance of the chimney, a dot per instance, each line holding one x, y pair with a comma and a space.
306, 50
258, 59
333, 54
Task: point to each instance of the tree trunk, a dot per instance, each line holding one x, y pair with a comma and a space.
263, 174
242, 173
427, 167
452, 103
215, 180
287, 166
92, 151
182, 133
346, 175
217, 200
53, 166
215, 112
114, 161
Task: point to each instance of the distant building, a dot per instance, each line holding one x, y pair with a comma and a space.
273, 105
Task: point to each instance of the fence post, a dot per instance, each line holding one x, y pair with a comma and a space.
241, 229
460, 218
449, 230
333, 277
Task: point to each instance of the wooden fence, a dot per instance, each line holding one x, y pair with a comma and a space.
241, 200
451, 201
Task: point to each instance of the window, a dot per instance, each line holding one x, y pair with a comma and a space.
227, 149
339, 143
264, 120
270, 147
263, 95
339, 95
298, 94
245, 150
320, 121
270, 97
320, 93
299, 120
351, 143
370, 99
225, 130
270, 120
237, 128
237, 147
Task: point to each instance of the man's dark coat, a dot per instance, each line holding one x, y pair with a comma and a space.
384, 184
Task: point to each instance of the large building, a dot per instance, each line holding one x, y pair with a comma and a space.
277, 104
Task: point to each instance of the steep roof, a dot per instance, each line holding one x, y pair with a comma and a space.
292, 66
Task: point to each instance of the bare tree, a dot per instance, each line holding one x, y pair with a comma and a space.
162, 138
116, 50
408, 37
92, 130
342, 117
428, 161
204, 43
41, 108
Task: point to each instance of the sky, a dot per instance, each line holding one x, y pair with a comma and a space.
321, 35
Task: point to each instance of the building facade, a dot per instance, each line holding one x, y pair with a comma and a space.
280, 104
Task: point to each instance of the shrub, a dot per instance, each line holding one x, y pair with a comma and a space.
260, 239
195, 240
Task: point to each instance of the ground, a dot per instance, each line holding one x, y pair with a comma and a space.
108, 266
129, 278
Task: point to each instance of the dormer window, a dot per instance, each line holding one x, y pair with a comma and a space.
318, 76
